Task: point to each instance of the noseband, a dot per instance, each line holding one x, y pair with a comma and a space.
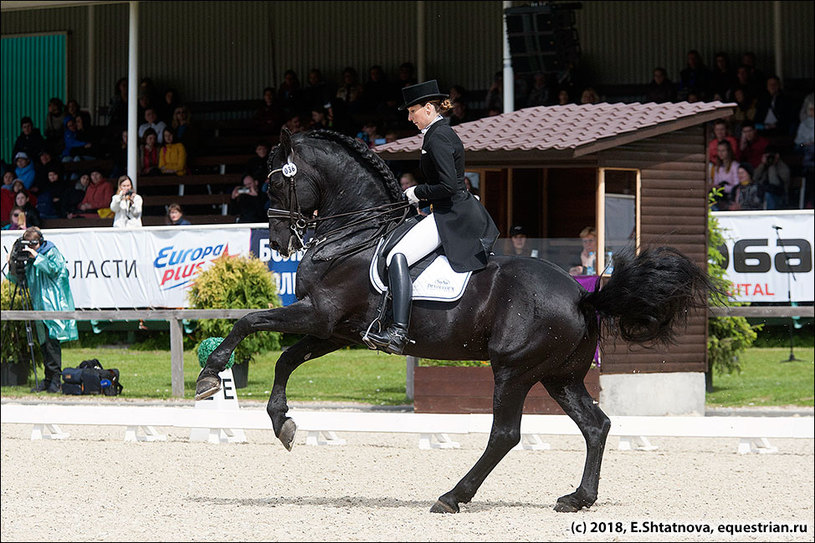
298, 223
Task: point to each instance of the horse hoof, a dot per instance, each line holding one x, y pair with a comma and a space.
207, 386
442, 507
563, 507
287, 434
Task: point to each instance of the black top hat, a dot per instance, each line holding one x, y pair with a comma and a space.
421, 92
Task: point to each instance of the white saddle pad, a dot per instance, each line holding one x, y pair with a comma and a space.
437, 283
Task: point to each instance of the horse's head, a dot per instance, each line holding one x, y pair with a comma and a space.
326, 172
293, 195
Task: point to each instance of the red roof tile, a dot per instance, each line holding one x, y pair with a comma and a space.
563, 127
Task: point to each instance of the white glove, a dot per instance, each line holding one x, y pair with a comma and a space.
409, 193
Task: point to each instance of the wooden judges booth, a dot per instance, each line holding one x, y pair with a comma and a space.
636, 172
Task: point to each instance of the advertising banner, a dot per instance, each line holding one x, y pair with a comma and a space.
768, 253
145, 267
283, 269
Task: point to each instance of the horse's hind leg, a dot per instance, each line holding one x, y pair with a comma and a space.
507, 408
307, 348
594, 425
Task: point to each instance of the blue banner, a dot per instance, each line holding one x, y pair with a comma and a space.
283, 269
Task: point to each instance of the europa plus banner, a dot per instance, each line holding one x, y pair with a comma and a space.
766, 251
145, 267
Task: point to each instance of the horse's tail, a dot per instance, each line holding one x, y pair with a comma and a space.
649, 295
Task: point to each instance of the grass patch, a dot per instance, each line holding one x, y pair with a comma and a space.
348, 375
766, 379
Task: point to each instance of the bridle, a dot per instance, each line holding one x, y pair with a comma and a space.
299, 223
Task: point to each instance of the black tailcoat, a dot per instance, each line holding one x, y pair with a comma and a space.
466, 230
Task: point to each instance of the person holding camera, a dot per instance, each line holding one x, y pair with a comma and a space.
126, 205
249, 202
37, 264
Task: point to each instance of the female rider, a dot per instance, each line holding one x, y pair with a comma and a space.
458, 221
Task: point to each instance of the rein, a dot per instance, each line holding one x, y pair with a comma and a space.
299, 223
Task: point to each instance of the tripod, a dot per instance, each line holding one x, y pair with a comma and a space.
789, 290
21, 287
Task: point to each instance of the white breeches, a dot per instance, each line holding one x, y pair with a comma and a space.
418, 242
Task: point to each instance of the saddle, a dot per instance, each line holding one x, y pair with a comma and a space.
432, 277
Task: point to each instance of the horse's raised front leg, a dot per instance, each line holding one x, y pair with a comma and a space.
507, 408
575, 400
297, 318
306, 349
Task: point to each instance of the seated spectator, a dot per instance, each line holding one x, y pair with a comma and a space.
588, 256
167, 105
725, 175
30, 141
74, 194
294, 124
775, 114
289, 94
175, 215
660, 89
16, 219
74, 149
773, 178
23, 201
98, 195
25, 169
72, 108
256, 166
172, 158
589, 96
539, 94
18, 186
90, 135
752, 145
756, 78
407, 180
320, 118
117, 110
378, 95
719, 135
803, 113
563, 98
269, 116
407, 75
54, 125
45, 163
723, 78
317, 91
118, 153
519, 243
6, 196
746, 110
151, 120
50, 203
694, 77
350, 91
149, 153
126, 205
8, 180
460, 114
495, 93
747, 194
186, 131
805, 145
248, 203
369, 134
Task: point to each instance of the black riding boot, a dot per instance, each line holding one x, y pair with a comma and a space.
394, 339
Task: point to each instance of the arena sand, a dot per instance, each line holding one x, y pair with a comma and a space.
380, 487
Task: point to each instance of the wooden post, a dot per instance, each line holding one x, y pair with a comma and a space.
177, 357
411, 362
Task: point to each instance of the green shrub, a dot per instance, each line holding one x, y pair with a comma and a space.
235, 283
727, 336
13, 336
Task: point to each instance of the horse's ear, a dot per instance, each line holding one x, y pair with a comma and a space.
285, 141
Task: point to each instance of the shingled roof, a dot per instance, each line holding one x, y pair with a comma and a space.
572, 130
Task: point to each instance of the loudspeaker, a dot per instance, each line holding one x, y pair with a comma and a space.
542, 38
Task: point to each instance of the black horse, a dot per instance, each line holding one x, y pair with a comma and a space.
532, 320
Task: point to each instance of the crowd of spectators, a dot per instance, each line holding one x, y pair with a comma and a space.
366, 108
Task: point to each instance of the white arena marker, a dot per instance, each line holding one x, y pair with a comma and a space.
225, 399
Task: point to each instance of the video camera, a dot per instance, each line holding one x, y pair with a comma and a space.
20, 258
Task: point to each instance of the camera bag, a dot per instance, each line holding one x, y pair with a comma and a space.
72, 376
88, 377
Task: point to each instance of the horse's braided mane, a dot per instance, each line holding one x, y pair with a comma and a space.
361, 149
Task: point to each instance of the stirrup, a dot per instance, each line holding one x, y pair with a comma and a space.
393, 340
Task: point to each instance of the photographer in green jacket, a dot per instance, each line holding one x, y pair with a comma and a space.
45, 273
